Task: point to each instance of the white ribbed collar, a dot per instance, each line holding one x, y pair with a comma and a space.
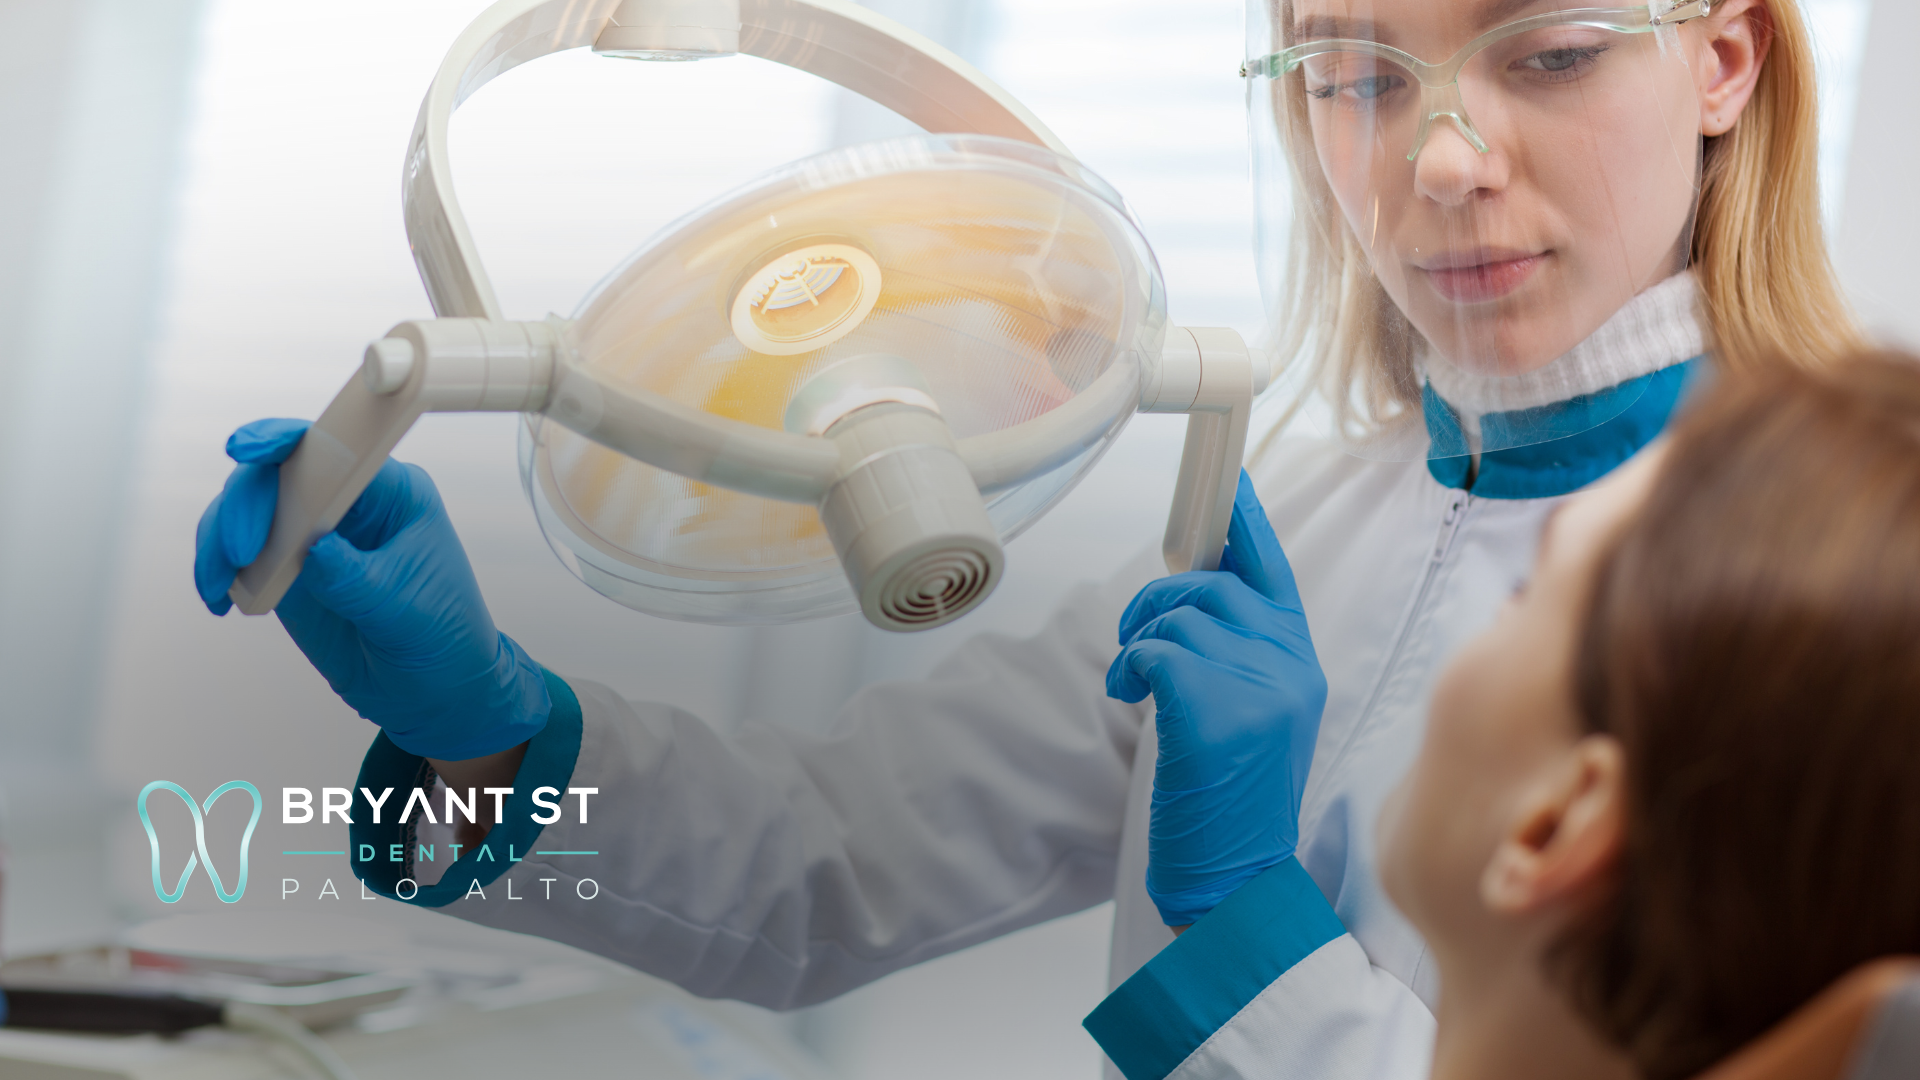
1657, 329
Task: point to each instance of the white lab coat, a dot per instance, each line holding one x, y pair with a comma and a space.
1006, 789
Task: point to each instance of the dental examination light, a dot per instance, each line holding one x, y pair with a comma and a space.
844, 385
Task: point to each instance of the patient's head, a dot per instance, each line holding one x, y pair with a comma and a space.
1675, 790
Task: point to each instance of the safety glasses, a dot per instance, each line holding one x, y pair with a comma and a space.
1363, 89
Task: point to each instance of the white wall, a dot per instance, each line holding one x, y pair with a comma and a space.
93, 100
1880, 219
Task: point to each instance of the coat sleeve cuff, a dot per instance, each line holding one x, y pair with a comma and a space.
550, 760
1193, 987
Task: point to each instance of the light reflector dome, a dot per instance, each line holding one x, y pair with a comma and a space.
805, 299
1009, 277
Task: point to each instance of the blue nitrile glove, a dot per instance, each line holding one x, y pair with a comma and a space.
386, 606
1238, 694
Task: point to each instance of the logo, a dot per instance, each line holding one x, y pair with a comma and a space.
200, 857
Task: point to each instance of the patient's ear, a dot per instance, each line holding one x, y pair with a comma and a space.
1565, 834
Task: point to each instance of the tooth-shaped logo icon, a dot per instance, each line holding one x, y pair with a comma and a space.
200, 856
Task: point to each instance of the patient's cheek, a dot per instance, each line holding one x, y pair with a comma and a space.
1431, 828
1389, 836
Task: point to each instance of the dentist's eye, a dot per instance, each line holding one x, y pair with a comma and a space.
1361, 93
1559, 65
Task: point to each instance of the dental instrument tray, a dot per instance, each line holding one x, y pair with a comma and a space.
316, 997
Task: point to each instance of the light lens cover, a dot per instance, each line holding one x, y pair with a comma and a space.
1008, 277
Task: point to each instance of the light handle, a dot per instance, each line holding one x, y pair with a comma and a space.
452, 365
1211, 375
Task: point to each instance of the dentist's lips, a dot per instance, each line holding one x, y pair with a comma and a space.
1482, 276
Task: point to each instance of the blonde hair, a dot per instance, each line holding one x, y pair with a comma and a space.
1759, 253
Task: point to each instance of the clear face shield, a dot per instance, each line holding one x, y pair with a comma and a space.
1464, 205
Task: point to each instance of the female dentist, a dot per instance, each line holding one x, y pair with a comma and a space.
1516, 229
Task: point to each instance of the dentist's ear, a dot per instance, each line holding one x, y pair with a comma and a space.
1739, 34
1565, 837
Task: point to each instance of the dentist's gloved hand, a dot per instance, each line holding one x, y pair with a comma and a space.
386, 606
1238, 694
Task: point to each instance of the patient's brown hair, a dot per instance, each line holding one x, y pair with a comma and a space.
1753, 640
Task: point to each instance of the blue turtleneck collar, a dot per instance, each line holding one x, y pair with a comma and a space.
1569, 444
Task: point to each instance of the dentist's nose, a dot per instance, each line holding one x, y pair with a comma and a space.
1450, 171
